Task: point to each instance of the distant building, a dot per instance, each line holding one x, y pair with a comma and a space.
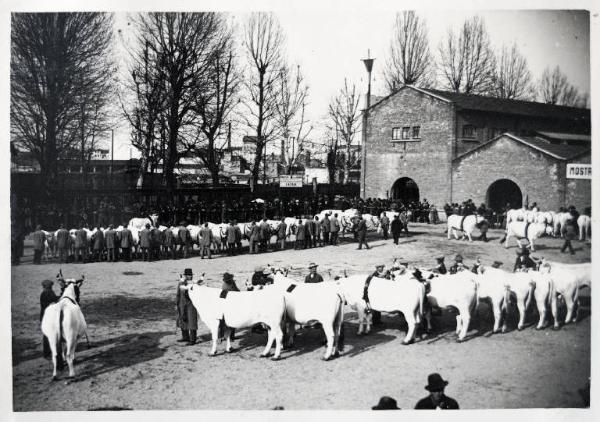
449, 147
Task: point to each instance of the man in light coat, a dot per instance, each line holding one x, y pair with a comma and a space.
205, 241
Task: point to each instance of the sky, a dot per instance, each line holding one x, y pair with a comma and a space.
329, 46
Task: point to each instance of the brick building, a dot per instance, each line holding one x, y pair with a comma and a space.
448, 147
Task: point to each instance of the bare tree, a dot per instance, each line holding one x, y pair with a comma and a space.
291, 115
554, 88
214, 103
60, 78
410, 60
343, 111
264, 43
511, 78
184, 45
467, 59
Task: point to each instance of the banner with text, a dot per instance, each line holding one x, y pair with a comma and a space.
290, 181
579, 171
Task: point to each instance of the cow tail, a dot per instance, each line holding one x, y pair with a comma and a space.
530, 294
475, 303
340, 325
284, 339
421, 303
506, 297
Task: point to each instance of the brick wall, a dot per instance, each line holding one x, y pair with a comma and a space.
537, 175
426, 161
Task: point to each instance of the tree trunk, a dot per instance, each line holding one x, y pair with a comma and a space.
257, 160
347, 165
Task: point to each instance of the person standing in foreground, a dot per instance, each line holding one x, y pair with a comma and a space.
187, 316
436, 399
386, 403
47, 298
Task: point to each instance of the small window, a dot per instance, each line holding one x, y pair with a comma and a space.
396, 133
416, 132
406, 132
468, 131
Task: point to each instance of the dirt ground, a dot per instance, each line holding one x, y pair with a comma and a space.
135, 362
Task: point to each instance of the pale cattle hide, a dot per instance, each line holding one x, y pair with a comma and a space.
372, 221
515, 214
386, 296
492, 285
458, 290
140, 222
584, 222
560, 221
291, 225
567, 280
240, 310
525, 230
63, 321
195, 232
466, 226
305, 302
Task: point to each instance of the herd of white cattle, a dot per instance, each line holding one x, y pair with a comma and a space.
287, 302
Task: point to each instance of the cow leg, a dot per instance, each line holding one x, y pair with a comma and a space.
506, 237
428, 320
269, 344
54, 349
227, 339
522, 305
330, 334
291, 332
411, 322
361, 319
531, 243
455, 233
469, 236
278, 337
458, 324
449, 232
214, 333
570, 306
554, 307
369, 321
466, 319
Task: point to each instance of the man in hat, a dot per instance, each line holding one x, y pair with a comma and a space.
39, 244
230, 233
385, 225
206, 238
570, 234
228, 286
396, 228
523, 262
260, 277
126, 243
313, 276
111, 242
386, 403
436, 399
63, 241
440, 268
47, 298
458, 265
361, 232
380, 272
475, 269
187, 316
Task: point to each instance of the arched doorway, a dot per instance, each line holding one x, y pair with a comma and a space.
502, 192
406, 190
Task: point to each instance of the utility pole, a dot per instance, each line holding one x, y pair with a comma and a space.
369, 66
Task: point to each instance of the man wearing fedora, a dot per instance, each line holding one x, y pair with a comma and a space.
458, 265
440, 268
386, 403
523, 262
436, 399
187, 316
313, 276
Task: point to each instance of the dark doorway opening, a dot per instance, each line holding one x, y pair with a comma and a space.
503, 192
406, 190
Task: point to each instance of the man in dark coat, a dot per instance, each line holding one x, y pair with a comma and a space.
281, 233
385, 225
458, 265
265, 233
39, 241
111, 243
187, 316
254, 237
260, 277
145, 241
436, 399
63, 241
523, 262
169, 244
98, 244
308, 233
184, 239
81, 244
396, 227
206, 238
47, 298
316, 227
313, 276
126, 243
440, 268
238, 236
334, 229
300, 236
326, 229
570, 234
361, 232
230, 232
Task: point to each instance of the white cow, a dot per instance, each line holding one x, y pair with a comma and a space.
515, 214
386, 296
566, 280
465, 224
560, 222
584, 222
305, 302
525, 230
64, 321
458, 290
291, 225
240, 310
372, 221
140, 222
492, 285
219, 234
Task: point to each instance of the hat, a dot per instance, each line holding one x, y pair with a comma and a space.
259, 269
386, 403
404, 264
458, 258
435, 382
380, 266
188, 271
440, 259
47, 283
496, 264
266, 271
312, 265
227, 277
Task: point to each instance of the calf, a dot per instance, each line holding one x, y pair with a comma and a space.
63, 321
240, 310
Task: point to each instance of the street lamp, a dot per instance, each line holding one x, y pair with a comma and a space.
369, 66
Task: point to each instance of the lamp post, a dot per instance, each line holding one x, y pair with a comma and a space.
369, 66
